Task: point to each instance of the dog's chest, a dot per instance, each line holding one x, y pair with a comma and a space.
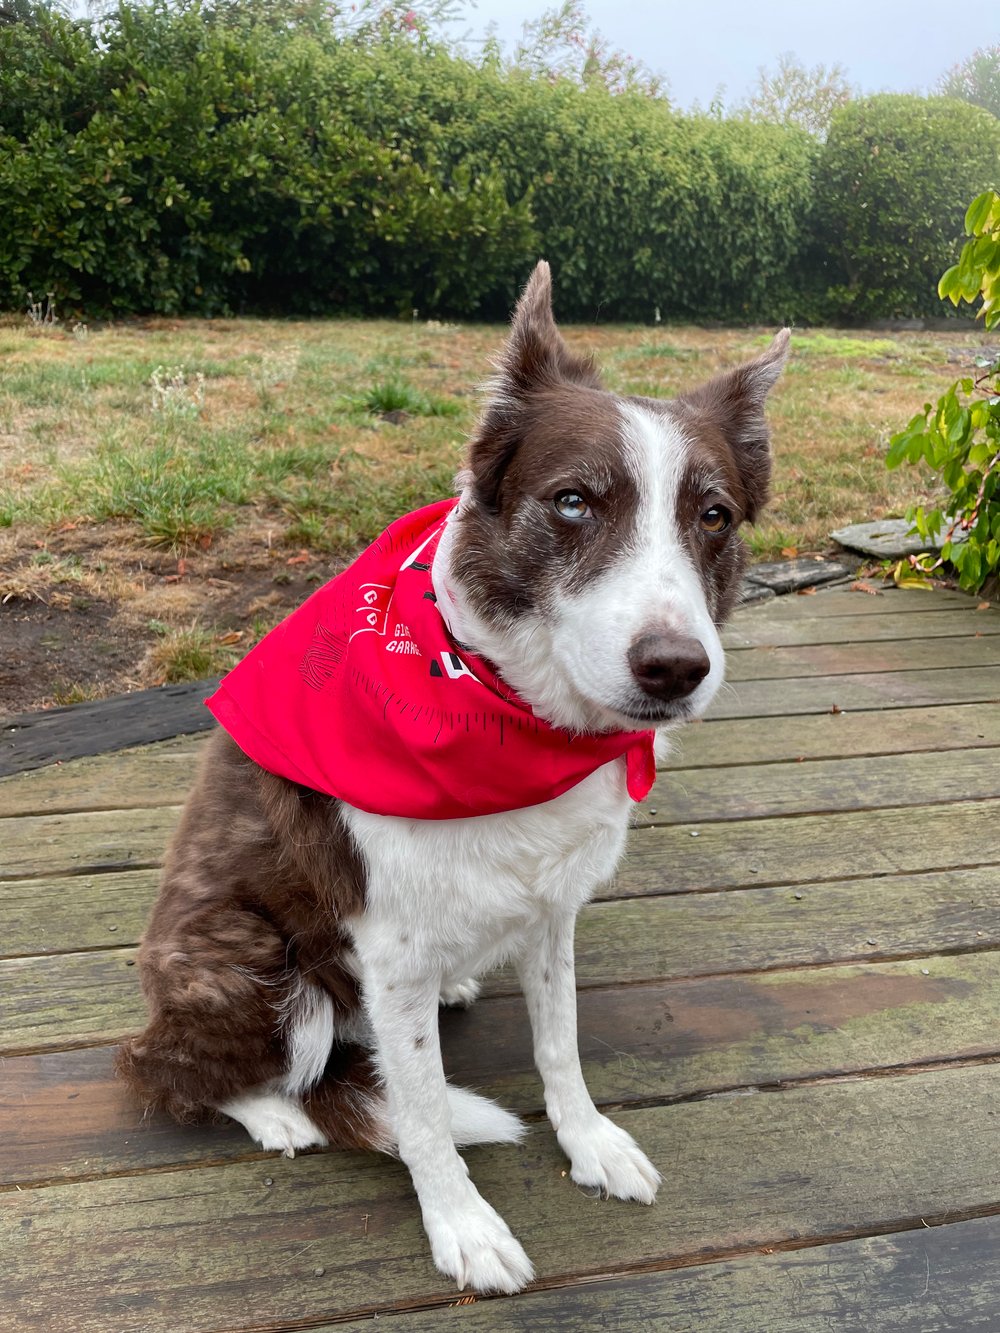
462, 886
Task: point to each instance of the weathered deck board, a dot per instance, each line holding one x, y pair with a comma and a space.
832, 603
810, 849
772, 627
75, 912
87, 998
618, 939
84, 843
787, 850
863, 690
826, 659
744, 741
661, 1040
336, 1233
679, 796
929, 1278
162, 776
823, 784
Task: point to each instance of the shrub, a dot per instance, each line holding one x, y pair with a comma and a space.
173, 161
891, 184
629, 199
959, 436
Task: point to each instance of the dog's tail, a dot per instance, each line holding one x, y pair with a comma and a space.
353, 1111
476, 1119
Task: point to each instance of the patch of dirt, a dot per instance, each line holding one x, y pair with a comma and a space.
81, 610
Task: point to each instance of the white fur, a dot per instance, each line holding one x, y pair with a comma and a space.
476, 1119
277, 1122
445, 900
310, 1039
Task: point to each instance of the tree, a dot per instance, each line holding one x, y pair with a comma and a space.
796, 95
976, 79
562, 43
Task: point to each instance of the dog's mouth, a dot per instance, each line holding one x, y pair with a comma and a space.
640, 715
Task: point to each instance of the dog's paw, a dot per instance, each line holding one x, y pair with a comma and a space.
606, 1159
461, 994
475, 1246
278, 1123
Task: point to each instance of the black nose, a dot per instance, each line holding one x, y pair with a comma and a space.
668, 666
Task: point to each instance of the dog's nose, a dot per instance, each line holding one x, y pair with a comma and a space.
668, 666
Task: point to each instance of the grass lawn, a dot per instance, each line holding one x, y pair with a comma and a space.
169, 489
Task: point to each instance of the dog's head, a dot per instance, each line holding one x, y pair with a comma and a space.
595, 548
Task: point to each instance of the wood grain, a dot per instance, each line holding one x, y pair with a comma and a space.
62, 1115
931, 1279
338, 1234
86, 998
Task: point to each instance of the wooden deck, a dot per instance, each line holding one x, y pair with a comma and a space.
791, 997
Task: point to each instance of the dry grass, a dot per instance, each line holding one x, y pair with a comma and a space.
285, 421
272, 450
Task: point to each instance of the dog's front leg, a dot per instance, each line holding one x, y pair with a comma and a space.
469, 1240
602, 1155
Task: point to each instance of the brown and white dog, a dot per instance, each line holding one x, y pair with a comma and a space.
295, 959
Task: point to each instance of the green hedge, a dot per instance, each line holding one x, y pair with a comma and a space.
186, 165
194, 160
893, 182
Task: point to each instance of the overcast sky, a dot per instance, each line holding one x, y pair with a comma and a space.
895, 45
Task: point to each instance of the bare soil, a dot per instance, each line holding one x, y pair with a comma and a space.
66, 643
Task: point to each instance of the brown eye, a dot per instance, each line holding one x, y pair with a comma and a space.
568, 504
716, 519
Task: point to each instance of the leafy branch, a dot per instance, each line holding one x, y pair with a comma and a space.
959, 436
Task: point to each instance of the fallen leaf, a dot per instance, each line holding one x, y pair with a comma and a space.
915, 583
233, 636
790, 552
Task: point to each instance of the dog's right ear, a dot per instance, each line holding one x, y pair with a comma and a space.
534, 358
535, 355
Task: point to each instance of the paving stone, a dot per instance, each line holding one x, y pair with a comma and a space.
788, 575
889, 539
754, 592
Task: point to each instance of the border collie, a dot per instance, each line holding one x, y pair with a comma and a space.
428, 769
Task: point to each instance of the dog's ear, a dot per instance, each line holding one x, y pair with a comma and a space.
536, 355
733, 403
534, 358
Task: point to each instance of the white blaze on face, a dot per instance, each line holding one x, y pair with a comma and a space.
651, 587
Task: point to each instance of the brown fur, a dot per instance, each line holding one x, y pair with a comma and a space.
258, 879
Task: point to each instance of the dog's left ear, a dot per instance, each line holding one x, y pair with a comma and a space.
534, 358
733, 403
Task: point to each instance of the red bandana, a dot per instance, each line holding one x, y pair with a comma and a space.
361, 693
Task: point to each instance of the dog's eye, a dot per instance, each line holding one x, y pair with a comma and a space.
568, 504
716, 519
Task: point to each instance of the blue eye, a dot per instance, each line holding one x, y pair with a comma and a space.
568, 504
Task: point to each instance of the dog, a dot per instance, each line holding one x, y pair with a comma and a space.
429, 768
